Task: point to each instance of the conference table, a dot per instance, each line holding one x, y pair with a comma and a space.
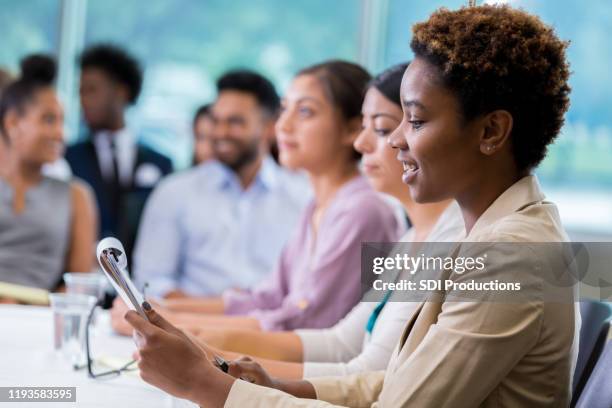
27, 359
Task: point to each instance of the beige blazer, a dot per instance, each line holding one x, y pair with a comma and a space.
469, 354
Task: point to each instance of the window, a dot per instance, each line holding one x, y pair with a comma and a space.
27, 26
185, 45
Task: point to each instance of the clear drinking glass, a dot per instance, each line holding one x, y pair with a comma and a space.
82, 283
70, 312
92, 284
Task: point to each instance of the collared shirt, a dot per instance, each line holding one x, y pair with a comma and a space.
125, 147
203, 233
318, 278
468, 353
59, 170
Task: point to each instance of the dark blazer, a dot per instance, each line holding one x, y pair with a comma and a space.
123, 221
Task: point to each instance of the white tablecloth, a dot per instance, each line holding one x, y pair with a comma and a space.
27, 359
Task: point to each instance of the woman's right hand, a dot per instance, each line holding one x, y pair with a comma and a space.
249, 370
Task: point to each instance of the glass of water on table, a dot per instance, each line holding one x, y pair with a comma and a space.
70, 313
84, 283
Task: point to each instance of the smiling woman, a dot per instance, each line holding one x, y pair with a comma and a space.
495, 120
36, 246
464, 137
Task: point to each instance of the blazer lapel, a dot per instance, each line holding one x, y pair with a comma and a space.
391, 367
410, 324
420, 321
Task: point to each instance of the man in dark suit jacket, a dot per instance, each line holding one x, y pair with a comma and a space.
121, 171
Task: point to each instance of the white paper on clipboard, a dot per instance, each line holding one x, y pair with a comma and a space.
112, 259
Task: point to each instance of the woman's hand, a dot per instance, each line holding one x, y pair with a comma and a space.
249, 370
170, 360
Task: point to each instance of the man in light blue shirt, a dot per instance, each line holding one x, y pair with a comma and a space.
223, 223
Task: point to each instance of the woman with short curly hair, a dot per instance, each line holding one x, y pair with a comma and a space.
483, 98
501, 58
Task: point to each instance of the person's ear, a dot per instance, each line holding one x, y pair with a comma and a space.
353, 128
123, 93
268, 133
11, 124
269, 129
497, 127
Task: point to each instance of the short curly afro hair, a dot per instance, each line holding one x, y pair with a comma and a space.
116, 63
498, 57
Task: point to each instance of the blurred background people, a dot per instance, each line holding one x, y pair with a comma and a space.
121, 170
316, 280
183, 64
47, 226
202, 135
225, 221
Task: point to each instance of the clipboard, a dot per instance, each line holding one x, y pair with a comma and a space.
111, 257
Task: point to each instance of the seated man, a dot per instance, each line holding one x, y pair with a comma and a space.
223, 223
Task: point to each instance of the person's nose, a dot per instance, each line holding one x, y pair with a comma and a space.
364, 142
57, 132
220, 130
284, 123
397, 139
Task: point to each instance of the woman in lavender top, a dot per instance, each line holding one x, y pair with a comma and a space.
317, 279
